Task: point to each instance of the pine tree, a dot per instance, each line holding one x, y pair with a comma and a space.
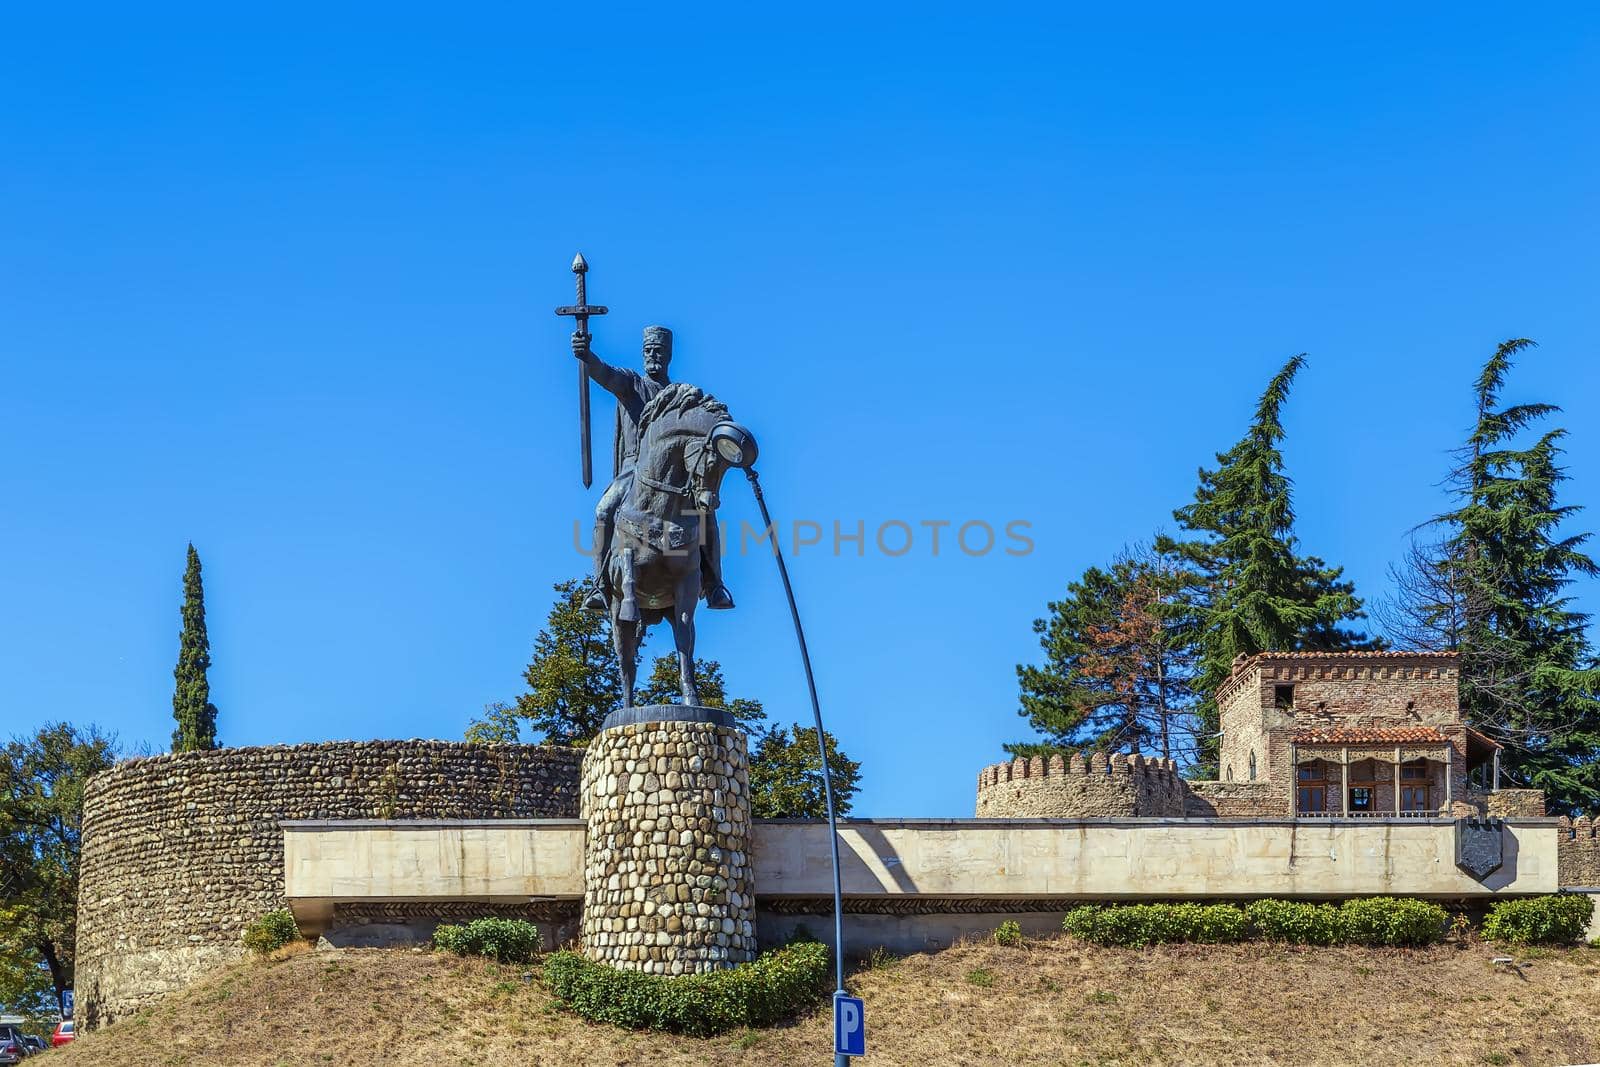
191, 696
786, 775
1119, 663
573, 678
1529, 676
1254, 592
661, 687
574, 682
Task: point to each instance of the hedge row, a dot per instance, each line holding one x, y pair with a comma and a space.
773, 987
505, 940
1370, 921
1554, 920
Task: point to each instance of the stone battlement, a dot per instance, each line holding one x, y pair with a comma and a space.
1578, 851
1057, 786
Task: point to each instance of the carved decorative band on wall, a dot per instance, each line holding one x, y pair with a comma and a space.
552, 911
913, 905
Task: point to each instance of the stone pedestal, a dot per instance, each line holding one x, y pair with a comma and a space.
667, 882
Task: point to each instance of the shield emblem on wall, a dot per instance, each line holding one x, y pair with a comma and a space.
1480, 847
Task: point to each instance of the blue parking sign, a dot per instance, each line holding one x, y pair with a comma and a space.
849, 1026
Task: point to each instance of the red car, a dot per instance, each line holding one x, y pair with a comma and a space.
63, 1033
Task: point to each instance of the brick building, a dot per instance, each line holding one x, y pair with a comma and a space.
1358, 734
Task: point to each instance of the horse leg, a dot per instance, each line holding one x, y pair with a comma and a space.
625, 636
683, 604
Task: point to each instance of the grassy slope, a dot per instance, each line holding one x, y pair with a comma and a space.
1053, 1002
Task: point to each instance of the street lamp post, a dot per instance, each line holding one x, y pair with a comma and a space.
840, 1059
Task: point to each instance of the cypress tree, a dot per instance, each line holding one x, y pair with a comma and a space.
1529, 677
1253, 591
191, 697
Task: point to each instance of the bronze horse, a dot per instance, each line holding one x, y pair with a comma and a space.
686, 444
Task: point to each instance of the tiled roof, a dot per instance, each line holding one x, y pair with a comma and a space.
1369, 735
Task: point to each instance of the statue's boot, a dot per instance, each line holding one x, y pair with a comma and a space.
717, 596
596, 601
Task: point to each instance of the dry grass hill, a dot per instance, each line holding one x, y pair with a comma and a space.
1051, 1002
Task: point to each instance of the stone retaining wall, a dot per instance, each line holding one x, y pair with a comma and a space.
1058, 787
181, 851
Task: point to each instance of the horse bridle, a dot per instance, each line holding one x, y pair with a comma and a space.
697, 476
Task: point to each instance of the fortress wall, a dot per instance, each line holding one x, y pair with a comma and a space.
1578, 852
1236, 800
1058, 787
180, 851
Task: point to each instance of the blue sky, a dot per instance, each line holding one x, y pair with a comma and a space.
281, 283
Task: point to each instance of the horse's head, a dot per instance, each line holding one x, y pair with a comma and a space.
726, 445
688, 436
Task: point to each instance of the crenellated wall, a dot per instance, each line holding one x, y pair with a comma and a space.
181, 851
1578, 852
1075, 787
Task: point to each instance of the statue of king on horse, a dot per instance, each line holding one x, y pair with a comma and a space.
657, 544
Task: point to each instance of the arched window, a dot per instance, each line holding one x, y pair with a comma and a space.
1252, 766
1228, 772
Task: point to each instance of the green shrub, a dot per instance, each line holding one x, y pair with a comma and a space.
1009, 933
1554, 920
1392, 921
271, 931
1293, 921
773, 987
1373, 921
1137, 925
504, 940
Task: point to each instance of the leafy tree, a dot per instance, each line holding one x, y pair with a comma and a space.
573, 680
786, 775
661, 687
1496, 588
41, 820
1427, 609
1254, 591
191, 697
574, 683
1119, 663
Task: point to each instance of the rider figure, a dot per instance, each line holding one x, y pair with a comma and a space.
633, 391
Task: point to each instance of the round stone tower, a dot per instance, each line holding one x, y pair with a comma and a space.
667, 883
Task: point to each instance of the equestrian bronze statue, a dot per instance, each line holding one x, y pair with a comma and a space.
657, 544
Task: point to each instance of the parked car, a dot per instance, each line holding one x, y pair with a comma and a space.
13, 1045
34, 1042
63, 1033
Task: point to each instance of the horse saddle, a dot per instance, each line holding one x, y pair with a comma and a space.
657, 532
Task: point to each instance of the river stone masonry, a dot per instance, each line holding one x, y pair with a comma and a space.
180, 851
667, 878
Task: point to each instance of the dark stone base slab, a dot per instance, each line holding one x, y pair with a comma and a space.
669, 713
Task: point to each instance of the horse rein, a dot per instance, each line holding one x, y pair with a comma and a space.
697, 478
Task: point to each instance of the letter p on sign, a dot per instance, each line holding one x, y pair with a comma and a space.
849, 1026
